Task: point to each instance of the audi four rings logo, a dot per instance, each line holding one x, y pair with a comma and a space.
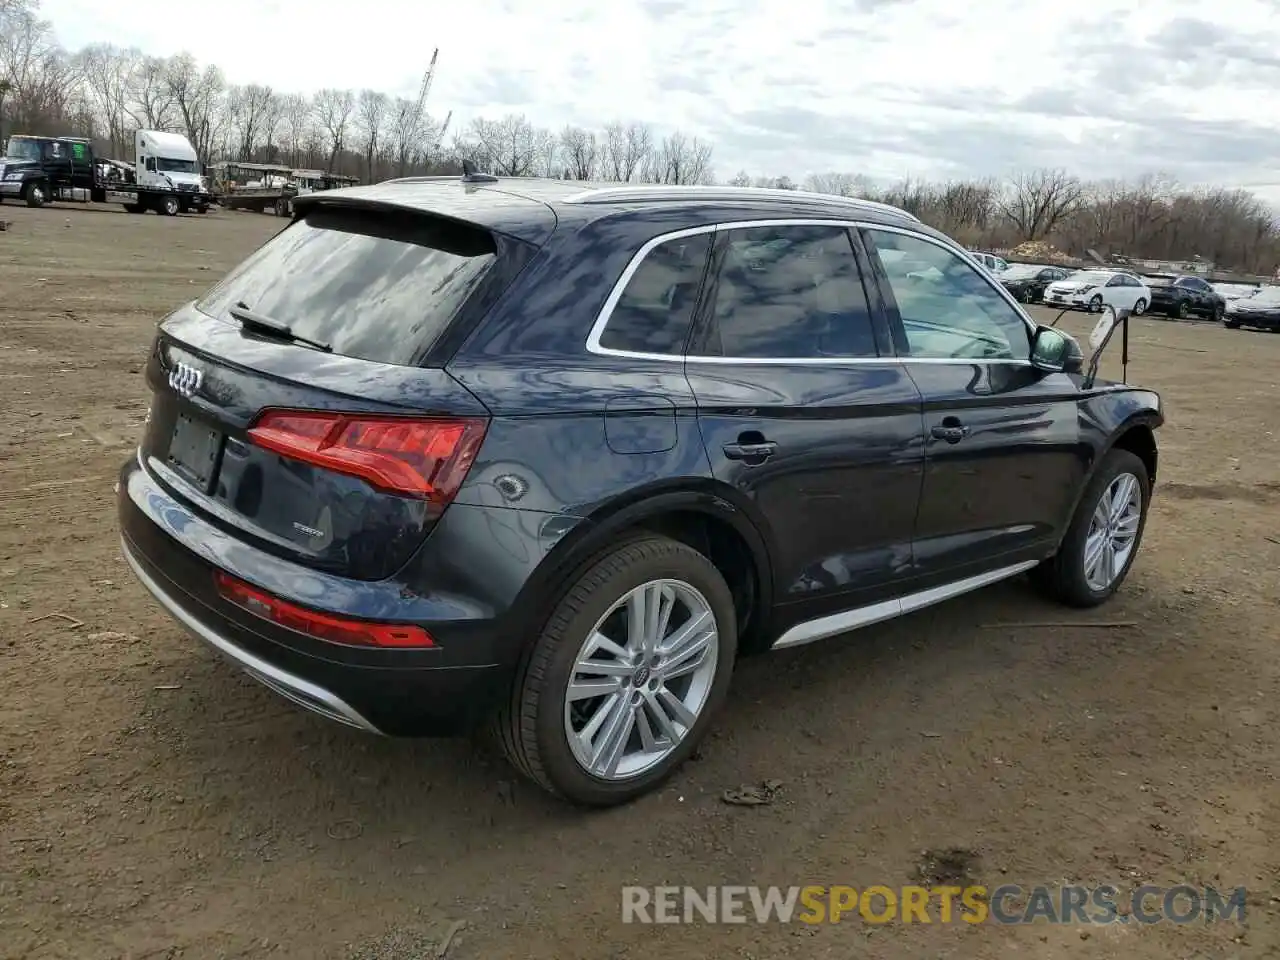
185, 379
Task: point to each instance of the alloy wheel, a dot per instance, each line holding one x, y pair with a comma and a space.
1113, 531
641, 679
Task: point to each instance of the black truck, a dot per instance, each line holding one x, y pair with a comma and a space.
40, 170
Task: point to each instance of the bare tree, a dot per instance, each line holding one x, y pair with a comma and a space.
295, 119
247, 108
578, 150
108, 78
1039, 200
839, 184
680, 159
38, 76
197, 99
333, 109
513, 146
626, 149
151, 104
371, 116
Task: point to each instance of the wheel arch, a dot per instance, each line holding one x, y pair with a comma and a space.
709, 517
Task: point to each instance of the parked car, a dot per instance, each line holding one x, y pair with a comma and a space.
1027, 281
996, 265
1262, 311
1183, 297
1091, 289
554, 457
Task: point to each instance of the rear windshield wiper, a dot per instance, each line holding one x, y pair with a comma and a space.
264, 325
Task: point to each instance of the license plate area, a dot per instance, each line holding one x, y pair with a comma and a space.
193, 451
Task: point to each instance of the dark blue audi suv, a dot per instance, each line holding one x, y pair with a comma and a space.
447, 452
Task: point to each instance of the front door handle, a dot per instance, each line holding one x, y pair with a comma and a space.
750, 452
950, 430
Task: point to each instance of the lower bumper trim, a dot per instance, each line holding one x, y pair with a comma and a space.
302, 692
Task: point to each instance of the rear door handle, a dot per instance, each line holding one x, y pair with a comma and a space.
952, 432
750, 452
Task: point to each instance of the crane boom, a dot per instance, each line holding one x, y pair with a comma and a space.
427, 79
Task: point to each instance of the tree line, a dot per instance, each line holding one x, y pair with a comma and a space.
105, 93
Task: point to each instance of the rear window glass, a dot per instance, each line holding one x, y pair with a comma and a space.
372, 286
656, 307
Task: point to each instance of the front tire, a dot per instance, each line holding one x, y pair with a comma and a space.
35, 195
626, 676
1095, 304
170, 206
1103, 539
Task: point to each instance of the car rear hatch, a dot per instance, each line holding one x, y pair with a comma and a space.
324, 427
1162, 289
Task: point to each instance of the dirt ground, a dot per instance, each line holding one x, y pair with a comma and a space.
155, 803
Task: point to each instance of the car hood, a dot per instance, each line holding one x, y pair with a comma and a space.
1066, 286
1244, 306
13, 165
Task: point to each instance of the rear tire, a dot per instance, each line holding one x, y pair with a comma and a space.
134, 208
1140, 308
535, 727
1065, 576
1180, 311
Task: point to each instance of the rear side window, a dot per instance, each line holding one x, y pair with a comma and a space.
373, 286
656, 307
791, 293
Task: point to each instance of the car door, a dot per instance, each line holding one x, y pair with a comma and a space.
804, 410
1117, 294
1002, 455
1204, 303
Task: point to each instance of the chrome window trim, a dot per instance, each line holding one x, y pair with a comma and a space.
602, 318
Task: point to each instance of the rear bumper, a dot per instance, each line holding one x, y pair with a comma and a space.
447, 690
298, 689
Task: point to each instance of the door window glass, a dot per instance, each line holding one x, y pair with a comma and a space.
949, 310
791, 292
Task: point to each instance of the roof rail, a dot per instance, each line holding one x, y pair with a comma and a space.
660, 192
433, 178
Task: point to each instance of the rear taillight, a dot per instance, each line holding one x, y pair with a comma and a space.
322, 626
413, 457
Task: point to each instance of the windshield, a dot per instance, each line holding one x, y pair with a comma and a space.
373, 287
166, 165
20, 149
1089, 276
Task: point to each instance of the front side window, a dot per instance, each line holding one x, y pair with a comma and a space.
656, 307
948, 309
790, 293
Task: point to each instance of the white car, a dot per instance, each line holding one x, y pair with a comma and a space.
991, 261
1090, 289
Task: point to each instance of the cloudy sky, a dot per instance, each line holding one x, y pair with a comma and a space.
889, 88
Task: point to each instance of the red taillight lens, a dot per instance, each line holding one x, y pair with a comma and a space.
410, 457
323, 626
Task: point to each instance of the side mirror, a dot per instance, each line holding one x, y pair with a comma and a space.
1054, 351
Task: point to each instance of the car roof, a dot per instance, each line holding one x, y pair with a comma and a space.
531, 209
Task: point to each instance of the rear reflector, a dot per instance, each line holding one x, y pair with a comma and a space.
427, 458
322, 626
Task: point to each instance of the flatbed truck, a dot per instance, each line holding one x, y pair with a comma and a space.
165, 176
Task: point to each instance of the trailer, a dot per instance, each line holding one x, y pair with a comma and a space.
165, 176
268, 188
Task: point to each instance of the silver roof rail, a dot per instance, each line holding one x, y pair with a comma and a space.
660, 192
435, 178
